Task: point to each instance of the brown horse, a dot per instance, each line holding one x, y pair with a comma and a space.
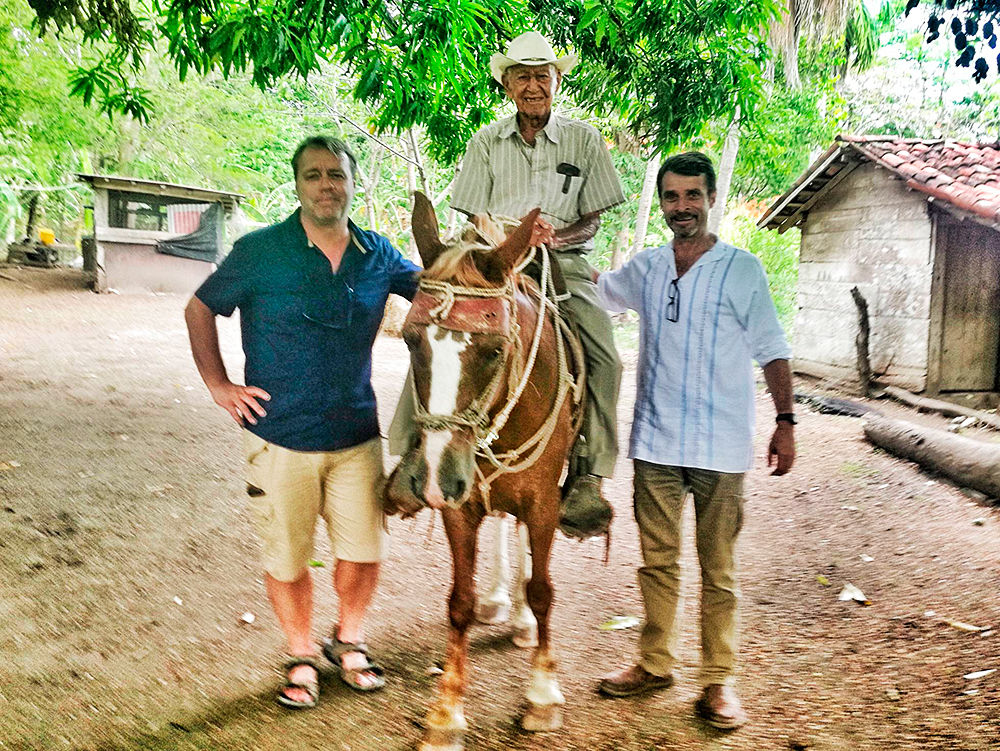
494, 400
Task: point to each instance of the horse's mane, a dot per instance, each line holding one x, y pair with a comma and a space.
457, 262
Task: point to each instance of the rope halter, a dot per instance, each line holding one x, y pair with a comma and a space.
493, 310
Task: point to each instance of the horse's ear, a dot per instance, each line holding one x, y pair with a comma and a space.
501, 260
425, 230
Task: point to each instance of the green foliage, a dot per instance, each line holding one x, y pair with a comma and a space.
861, 35
412, 63
779, 144
778, 253
115, 91
10, 209
665, 67
632, 170
44, 136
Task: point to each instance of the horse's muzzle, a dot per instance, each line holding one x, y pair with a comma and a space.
444, 478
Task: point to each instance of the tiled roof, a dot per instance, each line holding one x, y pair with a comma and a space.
966, 176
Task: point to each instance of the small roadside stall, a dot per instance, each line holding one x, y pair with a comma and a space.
152, 236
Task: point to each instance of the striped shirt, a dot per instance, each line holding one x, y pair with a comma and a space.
694, 404
501, 174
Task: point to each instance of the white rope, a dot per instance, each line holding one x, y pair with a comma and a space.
474, 416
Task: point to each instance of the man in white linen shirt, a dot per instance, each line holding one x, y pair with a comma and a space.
705, 314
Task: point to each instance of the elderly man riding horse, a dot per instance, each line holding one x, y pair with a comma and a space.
537, 158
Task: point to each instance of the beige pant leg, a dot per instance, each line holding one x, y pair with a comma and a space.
352, 503
718, 503
604, 366
659, 498
403, 426
285, 490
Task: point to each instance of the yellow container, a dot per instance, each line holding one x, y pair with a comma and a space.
47, 236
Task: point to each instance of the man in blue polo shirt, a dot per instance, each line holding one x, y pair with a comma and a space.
311, 292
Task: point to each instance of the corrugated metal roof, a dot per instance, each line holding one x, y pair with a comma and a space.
159, 187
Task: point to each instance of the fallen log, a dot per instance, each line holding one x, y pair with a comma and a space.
968, 462
923, 404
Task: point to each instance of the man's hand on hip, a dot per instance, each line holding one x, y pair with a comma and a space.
240, 401
781, 450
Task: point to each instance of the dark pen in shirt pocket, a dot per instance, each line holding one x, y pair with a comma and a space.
570, 171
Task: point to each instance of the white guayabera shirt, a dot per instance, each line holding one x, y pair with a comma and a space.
568, 172
694, 404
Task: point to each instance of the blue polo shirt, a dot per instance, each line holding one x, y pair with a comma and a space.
308, 332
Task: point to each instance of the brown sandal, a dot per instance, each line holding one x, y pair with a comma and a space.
310, 687
335, 649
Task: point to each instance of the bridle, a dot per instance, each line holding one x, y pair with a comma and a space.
494, 310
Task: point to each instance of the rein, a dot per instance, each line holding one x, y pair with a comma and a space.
476, 415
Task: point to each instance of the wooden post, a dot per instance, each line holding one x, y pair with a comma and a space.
861, 341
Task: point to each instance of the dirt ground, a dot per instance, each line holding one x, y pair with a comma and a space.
127, 559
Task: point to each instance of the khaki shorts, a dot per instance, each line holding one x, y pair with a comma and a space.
289, 490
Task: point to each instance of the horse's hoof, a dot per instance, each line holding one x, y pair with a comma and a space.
492, 613
539, 719
525, 637
440, 739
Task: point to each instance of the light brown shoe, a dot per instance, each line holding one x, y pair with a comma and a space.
633, 681
720, 707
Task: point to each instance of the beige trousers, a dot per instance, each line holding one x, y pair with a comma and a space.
660, 496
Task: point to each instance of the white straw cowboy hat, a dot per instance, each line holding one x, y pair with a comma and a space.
531, 48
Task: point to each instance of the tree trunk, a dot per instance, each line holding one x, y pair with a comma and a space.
370, 184
618, 248
923, 404
649, 189
726, 167
968, 462
129, 144
861, 342
411, 186
414, 148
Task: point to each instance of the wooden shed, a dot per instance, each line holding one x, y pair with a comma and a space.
915, 225
138, 226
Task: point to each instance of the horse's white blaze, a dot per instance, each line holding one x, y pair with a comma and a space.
435, 445
543, 688
446, 371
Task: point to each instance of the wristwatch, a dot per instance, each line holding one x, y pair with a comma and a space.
788, 417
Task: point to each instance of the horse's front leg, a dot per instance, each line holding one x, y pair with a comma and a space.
525, 624
445, 724
495, 607
544, 696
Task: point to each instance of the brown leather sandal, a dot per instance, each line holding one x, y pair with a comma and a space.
335, 649
310, 687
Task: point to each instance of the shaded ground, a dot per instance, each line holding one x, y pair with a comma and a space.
128, 495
